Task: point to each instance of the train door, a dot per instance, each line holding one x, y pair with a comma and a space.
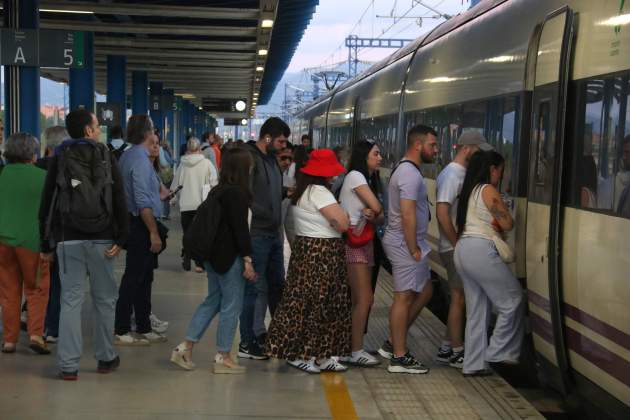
550, 72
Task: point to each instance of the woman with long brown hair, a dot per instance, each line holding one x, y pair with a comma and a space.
229, 267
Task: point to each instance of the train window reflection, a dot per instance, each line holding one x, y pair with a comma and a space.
602, 165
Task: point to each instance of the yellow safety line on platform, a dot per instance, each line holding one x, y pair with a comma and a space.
338, 397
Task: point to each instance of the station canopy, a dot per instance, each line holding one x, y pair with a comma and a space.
210, 52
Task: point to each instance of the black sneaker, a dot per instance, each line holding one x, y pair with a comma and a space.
251, 351
107, 367
445, 354
69, 376
262, 339
387, 350
406, 364
457, 360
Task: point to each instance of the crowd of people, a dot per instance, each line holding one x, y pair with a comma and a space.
73, 211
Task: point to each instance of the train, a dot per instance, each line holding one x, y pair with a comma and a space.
547, 82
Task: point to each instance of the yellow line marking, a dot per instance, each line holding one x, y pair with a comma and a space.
338, 397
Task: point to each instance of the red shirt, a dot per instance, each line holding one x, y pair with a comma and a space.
217, 154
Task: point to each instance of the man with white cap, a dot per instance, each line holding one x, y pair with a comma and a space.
449, 185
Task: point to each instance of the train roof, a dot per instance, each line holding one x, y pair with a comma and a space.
425, 39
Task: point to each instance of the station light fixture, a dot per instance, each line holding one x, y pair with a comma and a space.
262, 52
266, 23
244, 121
260, 68
78, 12
240, 105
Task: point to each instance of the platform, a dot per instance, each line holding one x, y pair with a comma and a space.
148, 386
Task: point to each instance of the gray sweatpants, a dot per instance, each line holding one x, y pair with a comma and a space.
489, 282
78, 261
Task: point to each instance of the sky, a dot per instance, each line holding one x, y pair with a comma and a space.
323, 41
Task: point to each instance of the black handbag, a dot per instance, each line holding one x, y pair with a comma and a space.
163, 232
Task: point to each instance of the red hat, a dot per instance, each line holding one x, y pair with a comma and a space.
323, 162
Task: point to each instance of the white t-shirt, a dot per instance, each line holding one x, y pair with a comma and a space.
306, 217
348, 197
449, 185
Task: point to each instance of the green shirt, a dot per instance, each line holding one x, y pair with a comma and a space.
20, 194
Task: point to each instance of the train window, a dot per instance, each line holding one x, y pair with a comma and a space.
383, 130
601, 169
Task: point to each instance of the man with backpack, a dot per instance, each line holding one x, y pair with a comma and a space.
117, 144
83, 215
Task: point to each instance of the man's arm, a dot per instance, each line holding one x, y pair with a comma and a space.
45, 203
446, 223
408, 220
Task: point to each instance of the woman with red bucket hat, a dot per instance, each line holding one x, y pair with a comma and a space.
313, 323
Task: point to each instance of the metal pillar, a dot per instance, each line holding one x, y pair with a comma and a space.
139, 92
169, 119
82, 80
21, 84
117, 84
156, 114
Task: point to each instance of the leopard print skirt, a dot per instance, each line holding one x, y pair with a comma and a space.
314, 315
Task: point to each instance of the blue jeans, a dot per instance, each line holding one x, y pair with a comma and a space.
225, 296
80, 261
268, 259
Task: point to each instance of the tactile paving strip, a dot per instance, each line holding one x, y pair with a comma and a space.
443, 393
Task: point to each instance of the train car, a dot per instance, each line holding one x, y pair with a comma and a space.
547, 82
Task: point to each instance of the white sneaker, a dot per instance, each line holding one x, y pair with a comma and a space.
181, 356
130, 339
331, 365
158, 325
307, 366
360, 358
51, 339
154, 337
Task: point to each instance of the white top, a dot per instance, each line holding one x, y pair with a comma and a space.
449, 185
307, 219
193, 172
478, 217
348, 197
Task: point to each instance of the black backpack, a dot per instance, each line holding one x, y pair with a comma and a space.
84, 186
117, 152
200, 236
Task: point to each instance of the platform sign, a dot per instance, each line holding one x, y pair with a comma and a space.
109, 114
61, 49
19, 48
155, 102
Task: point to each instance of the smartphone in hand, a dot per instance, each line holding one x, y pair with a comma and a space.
172, 194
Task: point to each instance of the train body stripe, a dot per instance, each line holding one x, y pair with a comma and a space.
604, 359
613, 334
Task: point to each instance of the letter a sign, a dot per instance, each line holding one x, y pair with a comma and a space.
20, 48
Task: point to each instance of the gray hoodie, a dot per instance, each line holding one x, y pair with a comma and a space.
267, 193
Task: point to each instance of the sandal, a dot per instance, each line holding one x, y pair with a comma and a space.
221, 366
38, 345
182, 357
8, 348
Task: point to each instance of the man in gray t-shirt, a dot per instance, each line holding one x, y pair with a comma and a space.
406, 247
449, 185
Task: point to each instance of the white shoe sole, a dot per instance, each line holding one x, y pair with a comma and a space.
244, 355
160, 328
385, 354
357, 364
402, 369
135, 343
